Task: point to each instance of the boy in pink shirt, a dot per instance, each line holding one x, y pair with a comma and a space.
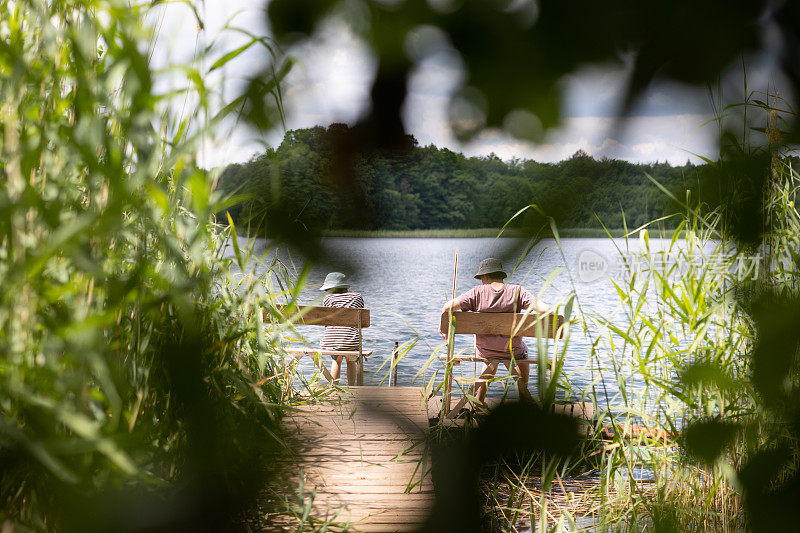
495, 296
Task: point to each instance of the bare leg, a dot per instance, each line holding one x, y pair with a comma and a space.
336, 367
488, 372
521, 374
352, 369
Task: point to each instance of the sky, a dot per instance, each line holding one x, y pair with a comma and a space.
332, 75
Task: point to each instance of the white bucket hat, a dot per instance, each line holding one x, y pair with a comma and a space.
334, 280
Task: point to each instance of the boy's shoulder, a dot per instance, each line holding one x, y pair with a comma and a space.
343, 297
351, 295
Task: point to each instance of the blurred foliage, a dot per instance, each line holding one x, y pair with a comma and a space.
721, 315
136, 388
131, 396
510, 433
538, 43
744, 182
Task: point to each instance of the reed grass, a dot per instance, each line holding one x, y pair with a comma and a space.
678, 350
139, 385
671, 321
134, 363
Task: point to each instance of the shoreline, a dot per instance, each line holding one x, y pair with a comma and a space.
483, 233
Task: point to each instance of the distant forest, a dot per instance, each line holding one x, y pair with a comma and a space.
436, 188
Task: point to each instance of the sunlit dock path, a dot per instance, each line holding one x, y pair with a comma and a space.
363, 451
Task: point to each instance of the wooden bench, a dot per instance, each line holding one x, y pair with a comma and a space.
309, 315
512, 324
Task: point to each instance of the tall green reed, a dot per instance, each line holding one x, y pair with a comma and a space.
695, 321
136, 378
674, 349
693, 416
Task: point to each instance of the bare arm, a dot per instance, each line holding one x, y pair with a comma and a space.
453, 304
541, 308
531, 303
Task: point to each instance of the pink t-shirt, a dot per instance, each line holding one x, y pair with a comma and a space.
509, 299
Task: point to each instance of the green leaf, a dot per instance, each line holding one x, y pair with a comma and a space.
706, 440
230, 55
709, 374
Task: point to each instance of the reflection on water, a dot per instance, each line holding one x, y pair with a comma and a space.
405, 282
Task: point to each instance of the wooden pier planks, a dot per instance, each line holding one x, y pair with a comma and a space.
362, 451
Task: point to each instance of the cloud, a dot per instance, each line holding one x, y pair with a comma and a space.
648, 149
333, 75
672, 138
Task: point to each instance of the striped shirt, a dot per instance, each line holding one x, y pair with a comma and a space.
341, 337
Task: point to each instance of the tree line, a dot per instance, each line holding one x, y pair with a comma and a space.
425, 187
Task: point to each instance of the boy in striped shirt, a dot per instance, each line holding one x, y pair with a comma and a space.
341, 337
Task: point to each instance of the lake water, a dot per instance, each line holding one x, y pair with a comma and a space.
405, 282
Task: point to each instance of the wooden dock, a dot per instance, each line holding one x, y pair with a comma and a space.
364, 453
